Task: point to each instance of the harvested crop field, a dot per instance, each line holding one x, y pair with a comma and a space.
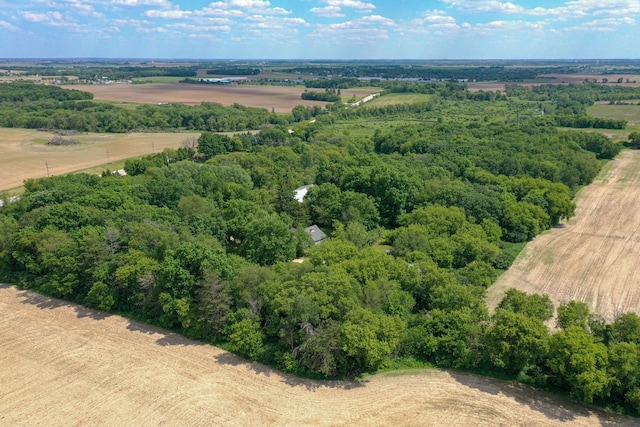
595, 258
628, 80
25, 153
66, 365
281, 99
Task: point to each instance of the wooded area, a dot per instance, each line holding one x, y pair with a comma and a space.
423, 215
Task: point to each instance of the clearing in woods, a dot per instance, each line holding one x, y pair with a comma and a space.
595, 257
67, 365
25, 153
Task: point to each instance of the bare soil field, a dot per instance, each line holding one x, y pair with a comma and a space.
595, 257
634, 81
280, 99
25, 153
62, 364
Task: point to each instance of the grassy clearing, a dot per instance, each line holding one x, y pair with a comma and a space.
365, 128
630, 113
400, 98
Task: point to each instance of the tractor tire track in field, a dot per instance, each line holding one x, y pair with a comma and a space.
62, 364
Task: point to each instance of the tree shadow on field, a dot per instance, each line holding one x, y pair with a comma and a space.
166, 338
227, 358
50, 303
554, 407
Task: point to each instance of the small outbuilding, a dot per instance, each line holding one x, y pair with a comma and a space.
300, 192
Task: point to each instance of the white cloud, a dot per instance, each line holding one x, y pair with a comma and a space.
365, 30
7, 26
570, 10
603, 25
334, 8
482, 6
242, 7
434, 17
217, 12
151, 30
158, 3
47, 18
201, 28
354, 4
248, 4
328, 12
168, 14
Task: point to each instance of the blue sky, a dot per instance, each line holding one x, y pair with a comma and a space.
320, 29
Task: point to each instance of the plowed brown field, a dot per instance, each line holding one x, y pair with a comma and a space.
64, 365
279, 98
595, 258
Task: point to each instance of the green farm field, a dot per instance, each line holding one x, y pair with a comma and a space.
400, 98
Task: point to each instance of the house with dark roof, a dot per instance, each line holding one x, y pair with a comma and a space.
317, 235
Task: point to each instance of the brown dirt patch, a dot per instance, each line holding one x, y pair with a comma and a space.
25, 152
595, 258
66, 365
280, 99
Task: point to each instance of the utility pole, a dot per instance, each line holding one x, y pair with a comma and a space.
46, 164
153, 147
108, 161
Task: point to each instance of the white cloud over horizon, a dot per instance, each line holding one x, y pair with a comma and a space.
341, 29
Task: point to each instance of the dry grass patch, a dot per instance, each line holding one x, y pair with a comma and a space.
25, 153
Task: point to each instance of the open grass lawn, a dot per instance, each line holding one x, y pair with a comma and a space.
400, 98
366, 127
630, 113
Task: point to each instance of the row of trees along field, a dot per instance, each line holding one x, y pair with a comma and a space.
27, 105
423, 214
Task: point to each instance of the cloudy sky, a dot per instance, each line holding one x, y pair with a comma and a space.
320, 29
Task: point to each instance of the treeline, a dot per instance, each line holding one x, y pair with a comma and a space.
28, 92
441, 72
31, 106
234, 71
329, 95
115, 72
573, 97
589, 122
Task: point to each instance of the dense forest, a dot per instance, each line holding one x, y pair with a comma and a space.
422, 215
